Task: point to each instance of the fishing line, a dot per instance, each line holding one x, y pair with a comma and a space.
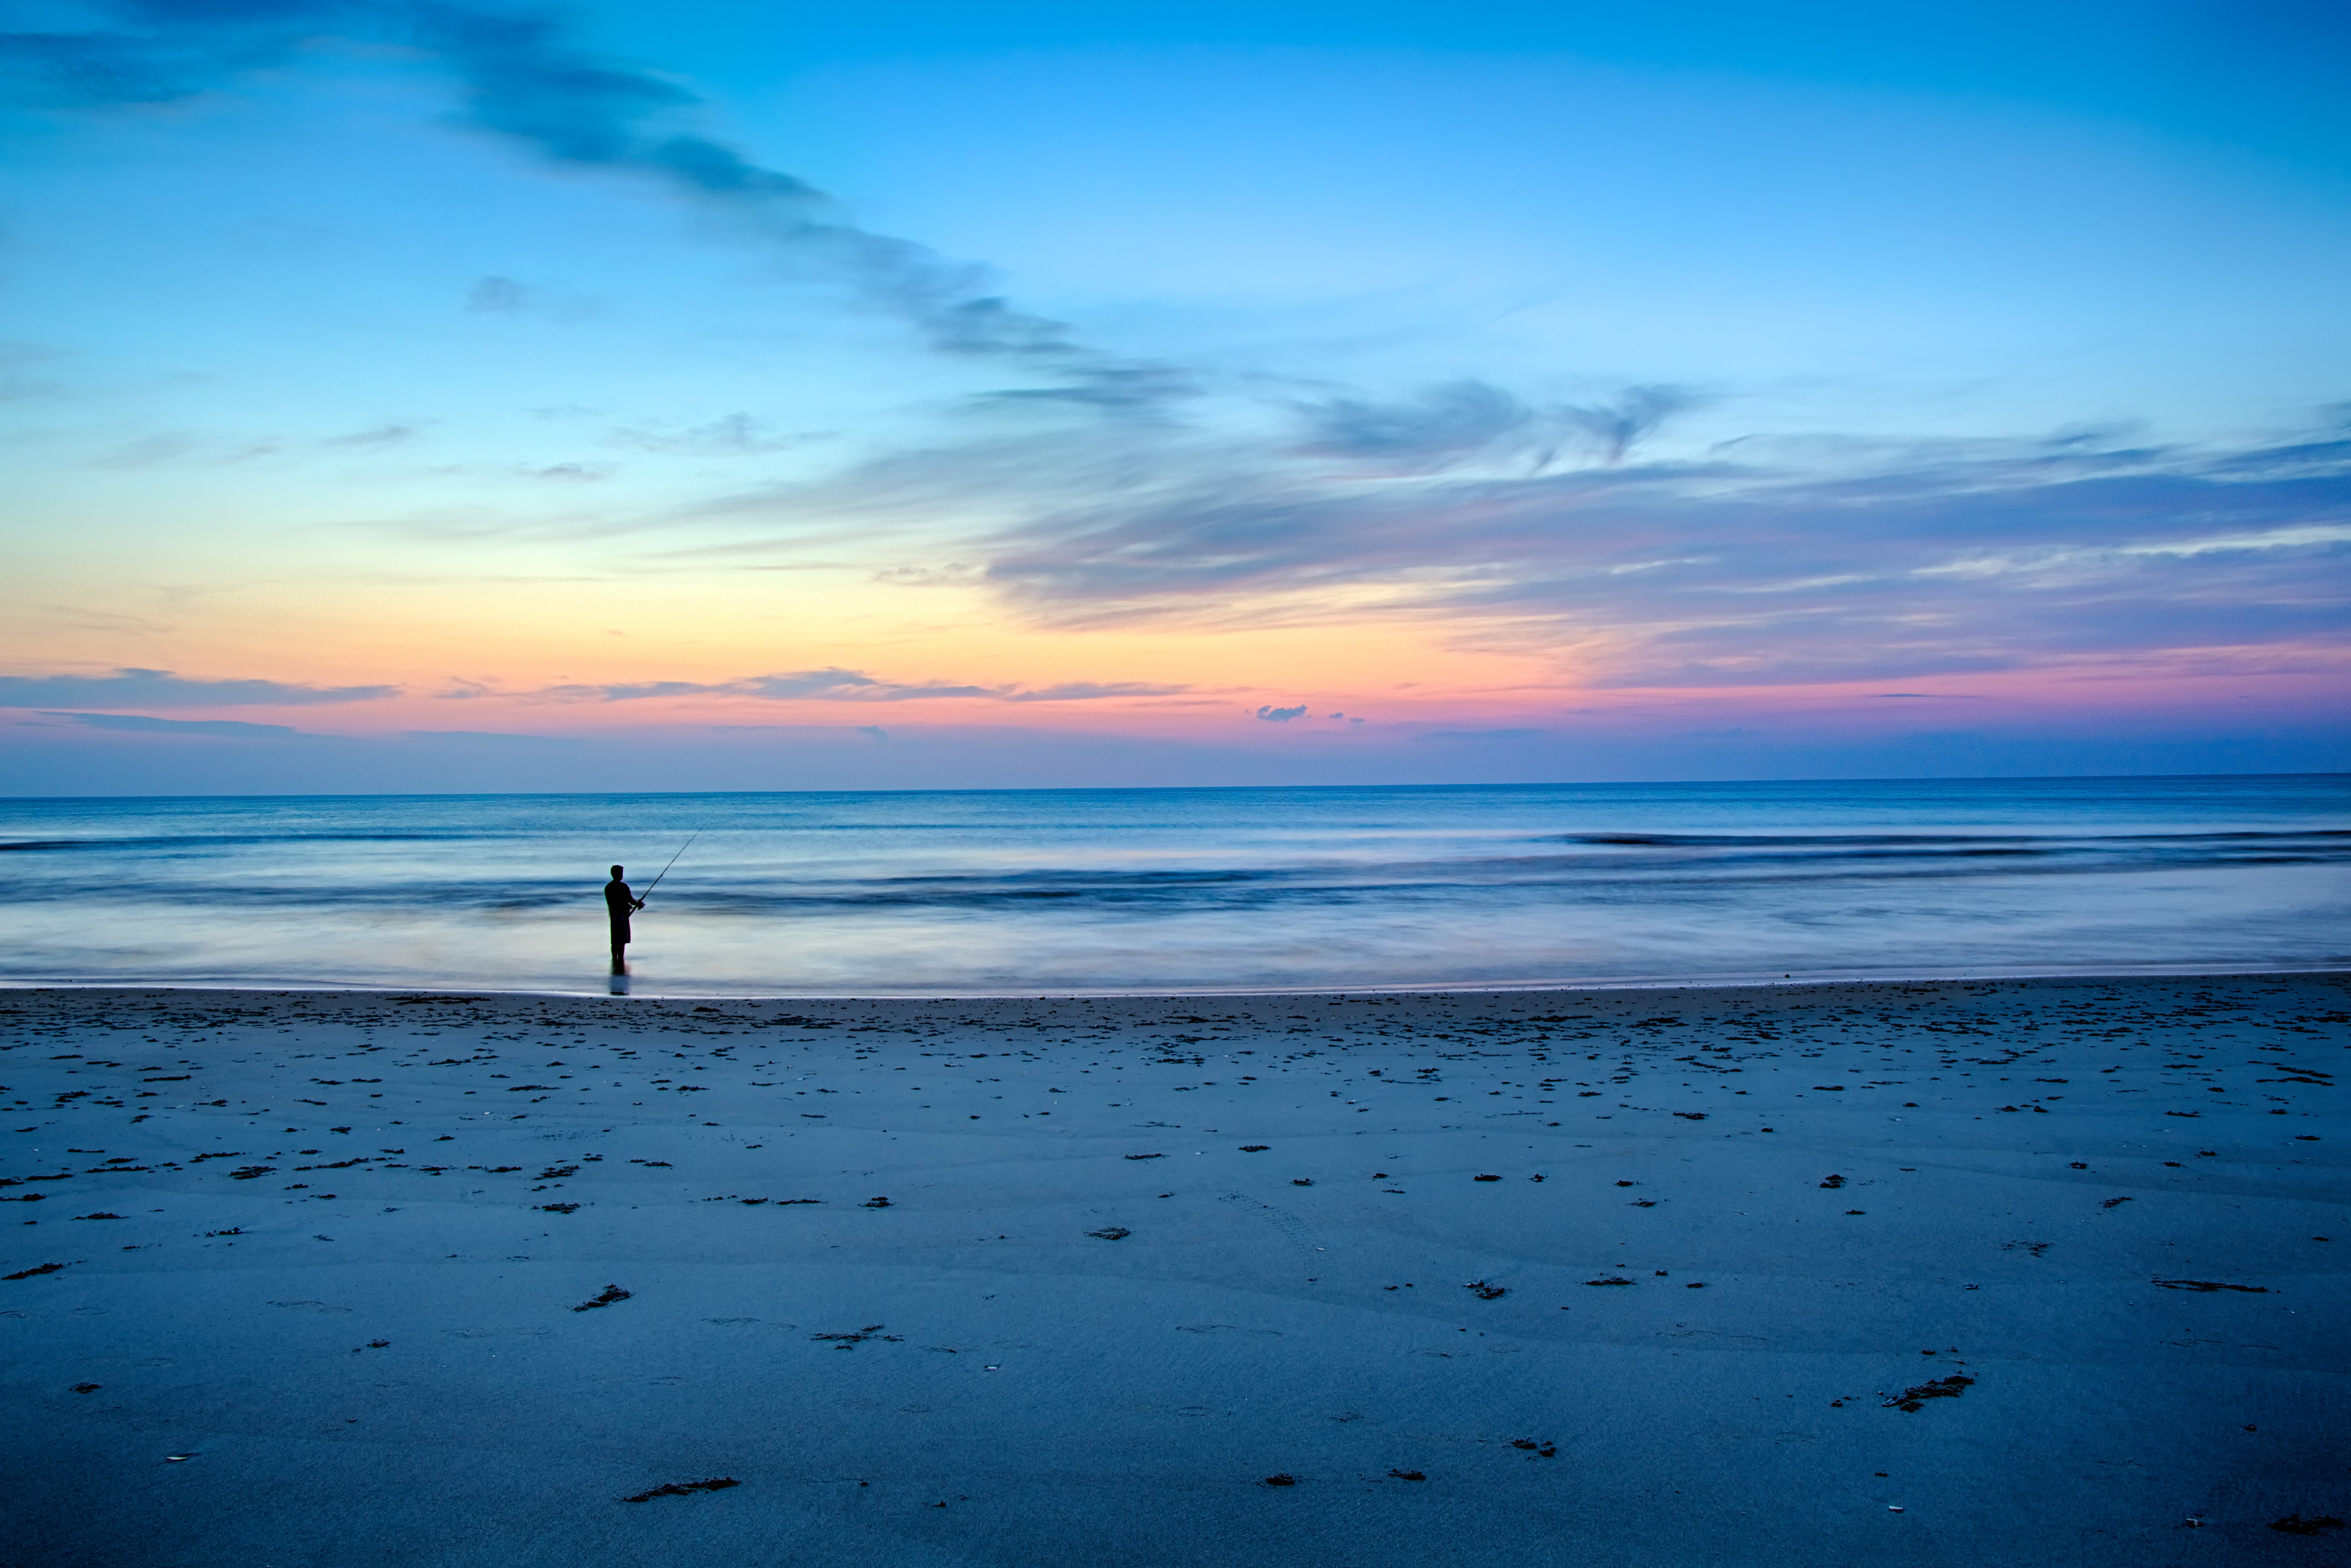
672, 861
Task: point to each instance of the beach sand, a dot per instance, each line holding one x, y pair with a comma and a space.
1493, 1278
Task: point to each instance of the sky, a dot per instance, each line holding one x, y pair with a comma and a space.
444, 395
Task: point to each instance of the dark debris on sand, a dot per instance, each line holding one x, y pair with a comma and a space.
1915, 1398
2211, 1285
684, 1488
849, 1341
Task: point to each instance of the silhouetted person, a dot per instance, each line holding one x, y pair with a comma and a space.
618, 903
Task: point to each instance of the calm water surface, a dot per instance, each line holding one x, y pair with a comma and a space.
1187, 889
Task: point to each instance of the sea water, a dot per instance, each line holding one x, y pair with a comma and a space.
1105, 890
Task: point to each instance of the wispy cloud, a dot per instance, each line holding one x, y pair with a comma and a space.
846, 685
162, 688
491, 739
1507, 732
841, 685
233, 729
497, 296
165, 450
380, 436
1758, 562
1465, 420
735, 435
1089, 691
179, 449
16, 386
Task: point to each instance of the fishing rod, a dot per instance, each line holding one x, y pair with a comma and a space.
672, 861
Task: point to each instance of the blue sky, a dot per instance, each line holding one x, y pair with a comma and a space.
1680, 391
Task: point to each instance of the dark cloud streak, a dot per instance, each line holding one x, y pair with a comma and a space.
1636, 414
520, 75
1457, 420
1445, 420
161, 688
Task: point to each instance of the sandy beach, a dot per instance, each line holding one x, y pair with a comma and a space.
1950, 1273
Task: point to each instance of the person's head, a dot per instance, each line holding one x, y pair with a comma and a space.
616, 874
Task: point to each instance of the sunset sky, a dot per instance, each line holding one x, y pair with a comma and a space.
399, 395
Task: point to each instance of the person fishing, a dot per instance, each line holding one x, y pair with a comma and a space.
621, 901
618, 904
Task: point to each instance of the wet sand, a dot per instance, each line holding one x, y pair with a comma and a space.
1951, 1273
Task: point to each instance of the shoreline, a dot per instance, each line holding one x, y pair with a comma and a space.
1702, 983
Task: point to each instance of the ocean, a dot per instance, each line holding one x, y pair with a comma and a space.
1178, 890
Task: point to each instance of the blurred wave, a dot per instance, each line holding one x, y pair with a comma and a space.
1187, 889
